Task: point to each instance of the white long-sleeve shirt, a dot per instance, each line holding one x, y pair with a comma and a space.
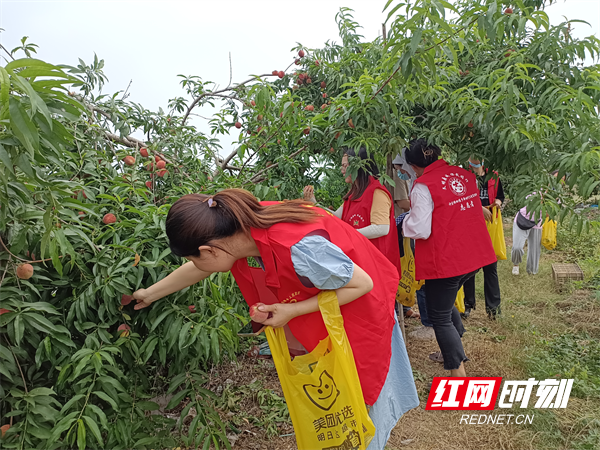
417, 225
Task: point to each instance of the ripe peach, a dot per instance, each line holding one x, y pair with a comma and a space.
508, 11
129, 160
323, 84
275, 73
256, 315
25, 271
307, 130
109, 218
337, 135
126, 299
162, 173
124, 329
253, 103
332, 150
309, 108
301, 53
350, 123
149, 184
470, 124
157, 158
324, 106
308, 80
144, 152
192, 308
297, 62
316, 62
324, 95
281, 74
238, 125
259, 117
161, 164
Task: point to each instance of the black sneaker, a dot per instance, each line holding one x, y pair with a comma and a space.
467, 312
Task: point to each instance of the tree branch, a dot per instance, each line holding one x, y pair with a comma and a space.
212, 94
7, 52
257, 176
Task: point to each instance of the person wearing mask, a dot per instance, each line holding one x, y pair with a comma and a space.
367, 206
301, 250
491, 194
445, 213
425, 332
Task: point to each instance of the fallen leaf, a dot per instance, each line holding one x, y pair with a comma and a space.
137, 260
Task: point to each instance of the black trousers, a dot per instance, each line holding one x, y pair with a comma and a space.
491, 288
445, 318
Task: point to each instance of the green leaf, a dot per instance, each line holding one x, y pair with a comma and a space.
177, 398
80, 434
148, 406
107, 398
23, 127
94, 428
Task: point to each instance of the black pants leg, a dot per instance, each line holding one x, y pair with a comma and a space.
448, 328
469, 288
491, 289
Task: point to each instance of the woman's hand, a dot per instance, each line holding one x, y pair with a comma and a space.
143, 299
309, 194
282, 314
487, 214
498, 203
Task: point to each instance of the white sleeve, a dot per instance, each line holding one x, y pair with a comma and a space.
338, 212
417, 225
374, 231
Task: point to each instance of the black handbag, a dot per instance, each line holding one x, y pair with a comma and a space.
524, 223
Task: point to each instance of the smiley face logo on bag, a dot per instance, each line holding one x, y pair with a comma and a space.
323, 395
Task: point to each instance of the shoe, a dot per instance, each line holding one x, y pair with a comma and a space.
422, 334
515, 270
467, 312
437, 357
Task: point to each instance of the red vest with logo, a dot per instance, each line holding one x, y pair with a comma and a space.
459, 242
368, 320
357, 213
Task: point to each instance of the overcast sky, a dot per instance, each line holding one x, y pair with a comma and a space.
151, 42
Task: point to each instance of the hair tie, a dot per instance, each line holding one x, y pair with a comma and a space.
427, 152
211, 203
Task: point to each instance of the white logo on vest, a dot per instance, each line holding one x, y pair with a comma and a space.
456, 182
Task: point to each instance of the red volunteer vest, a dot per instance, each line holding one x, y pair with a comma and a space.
368, 320
357, 213
457, 225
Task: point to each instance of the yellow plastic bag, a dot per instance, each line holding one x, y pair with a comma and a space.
408, 286
549, 234
322, 389
497, 233
460, 300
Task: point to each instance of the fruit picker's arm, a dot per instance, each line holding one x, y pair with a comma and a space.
359, 285
181, 278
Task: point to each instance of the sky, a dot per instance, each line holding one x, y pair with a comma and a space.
149, 43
